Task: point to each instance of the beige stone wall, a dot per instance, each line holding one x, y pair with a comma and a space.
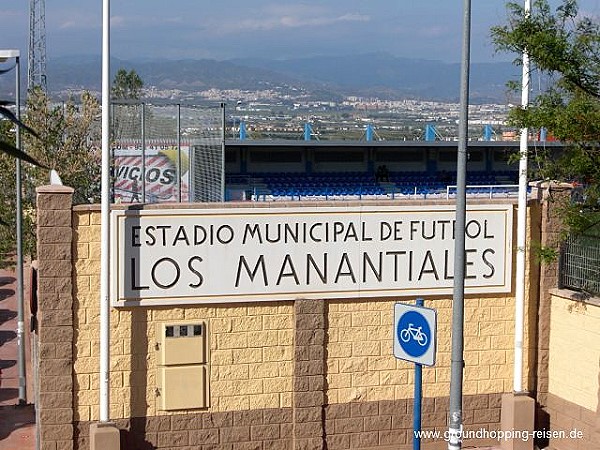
307, 369
54, 325
250, 345
574, 351
361, 365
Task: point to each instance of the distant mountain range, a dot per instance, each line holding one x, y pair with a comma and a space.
384, 75
323, 77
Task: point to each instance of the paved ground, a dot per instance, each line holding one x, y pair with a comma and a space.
17, 423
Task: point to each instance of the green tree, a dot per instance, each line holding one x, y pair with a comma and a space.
9, 153
67, 142
564, 47
126, 118
69, 136
127, 85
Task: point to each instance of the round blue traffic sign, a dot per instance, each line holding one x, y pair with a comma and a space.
413, 334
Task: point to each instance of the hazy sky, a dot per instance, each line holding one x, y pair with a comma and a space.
177, 29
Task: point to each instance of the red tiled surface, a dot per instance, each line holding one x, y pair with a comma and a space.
17, 422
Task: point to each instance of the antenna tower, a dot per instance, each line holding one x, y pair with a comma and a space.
36, 67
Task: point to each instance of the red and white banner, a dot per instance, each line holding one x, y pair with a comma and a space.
160, 174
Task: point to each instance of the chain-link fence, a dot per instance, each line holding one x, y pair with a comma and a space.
167, 153
580, 264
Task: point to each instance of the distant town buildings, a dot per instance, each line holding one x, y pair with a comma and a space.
282, 112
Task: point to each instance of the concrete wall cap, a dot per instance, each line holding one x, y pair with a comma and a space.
54, 189
552, 184
576, 296
291, 204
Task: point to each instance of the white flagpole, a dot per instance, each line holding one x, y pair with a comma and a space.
521, 231
105, 221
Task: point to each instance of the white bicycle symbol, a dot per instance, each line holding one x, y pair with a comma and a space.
415, 333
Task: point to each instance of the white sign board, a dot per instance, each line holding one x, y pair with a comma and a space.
415, 333
172, 256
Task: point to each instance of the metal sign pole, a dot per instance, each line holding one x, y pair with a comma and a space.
415, 341
417, 400
417, 407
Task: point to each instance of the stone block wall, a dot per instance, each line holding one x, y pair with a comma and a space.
309, 374
326, 365
251, 345
360, 366
574, 371
55, 319
234, 430
299, 374
388, 423
549, 195
369, 396
567, 360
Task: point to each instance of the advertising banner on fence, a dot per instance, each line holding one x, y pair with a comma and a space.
188, 256
160, 172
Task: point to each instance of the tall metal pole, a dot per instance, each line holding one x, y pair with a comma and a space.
113, 171
143, 180
458, 300
105, 221
178, 152
418, 398
19, 208
223, 120
521, 230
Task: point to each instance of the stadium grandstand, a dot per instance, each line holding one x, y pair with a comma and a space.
183, 155
287, 170
284, 170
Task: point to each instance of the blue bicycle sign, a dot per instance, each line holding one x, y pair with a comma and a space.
414, 332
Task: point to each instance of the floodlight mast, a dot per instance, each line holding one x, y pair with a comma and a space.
36, 64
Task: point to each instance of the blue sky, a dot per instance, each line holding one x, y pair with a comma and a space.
178, 29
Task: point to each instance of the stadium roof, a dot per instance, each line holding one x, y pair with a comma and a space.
403, 144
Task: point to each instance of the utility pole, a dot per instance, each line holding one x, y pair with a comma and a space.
455, 426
